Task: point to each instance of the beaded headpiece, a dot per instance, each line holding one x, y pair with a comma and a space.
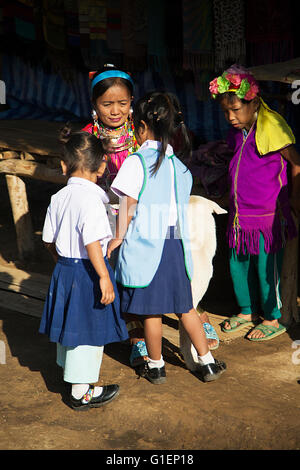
235, 79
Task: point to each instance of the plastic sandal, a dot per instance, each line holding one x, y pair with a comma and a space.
236, 323
138, 351
269, 331
211, 333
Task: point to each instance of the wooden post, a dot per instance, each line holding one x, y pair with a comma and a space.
289, 283
19, 204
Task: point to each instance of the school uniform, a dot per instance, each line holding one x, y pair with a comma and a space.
73, 315
154, 266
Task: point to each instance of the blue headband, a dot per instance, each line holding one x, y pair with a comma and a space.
111, 74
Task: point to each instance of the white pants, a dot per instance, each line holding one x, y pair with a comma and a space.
80, 364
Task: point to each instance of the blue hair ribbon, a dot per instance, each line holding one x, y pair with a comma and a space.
111, 74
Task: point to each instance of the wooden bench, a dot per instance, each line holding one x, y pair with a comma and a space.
28, 149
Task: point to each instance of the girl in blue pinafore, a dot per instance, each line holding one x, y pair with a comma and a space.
154, 266
82, 309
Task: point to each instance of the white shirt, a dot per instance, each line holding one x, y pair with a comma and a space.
76, 217
130, 178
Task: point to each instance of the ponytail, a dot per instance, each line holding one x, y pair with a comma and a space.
161, 112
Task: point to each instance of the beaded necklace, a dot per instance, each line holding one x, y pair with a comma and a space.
121, 138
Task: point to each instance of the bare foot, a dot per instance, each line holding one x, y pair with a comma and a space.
255, 333
250, 317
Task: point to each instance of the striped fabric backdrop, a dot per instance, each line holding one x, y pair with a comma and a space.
31, 93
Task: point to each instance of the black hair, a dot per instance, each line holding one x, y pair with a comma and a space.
101, 87
162, 114
81, 150
230, 96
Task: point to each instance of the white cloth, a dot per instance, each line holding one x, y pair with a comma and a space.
130, 178
76, 217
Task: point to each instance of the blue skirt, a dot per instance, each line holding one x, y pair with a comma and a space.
170, 289
73, 314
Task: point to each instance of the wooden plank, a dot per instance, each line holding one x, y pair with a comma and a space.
22, 291
33, 136
30, 284
21, 303
30, 169
285, 72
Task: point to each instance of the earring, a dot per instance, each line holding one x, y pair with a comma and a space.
94, 115
95, 119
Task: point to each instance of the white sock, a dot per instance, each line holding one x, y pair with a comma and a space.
206, 359
152, 364
78, 390
97, 391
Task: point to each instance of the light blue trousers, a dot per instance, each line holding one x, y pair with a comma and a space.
80, 364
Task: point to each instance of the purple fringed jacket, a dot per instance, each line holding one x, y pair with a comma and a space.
259, 200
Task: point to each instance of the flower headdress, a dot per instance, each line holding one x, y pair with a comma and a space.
235, 79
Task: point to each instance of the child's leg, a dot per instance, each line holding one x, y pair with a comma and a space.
81, 368
82, 364
194, 328
210, 368
246, 288
269, 269
155, 371
153, 336
245, 282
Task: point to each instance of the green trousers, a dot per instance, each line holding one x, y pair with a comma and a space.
256, 281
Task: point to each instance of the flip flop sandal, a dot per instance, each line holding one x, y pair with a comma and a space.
138, 351
269, 331
211, 333
236, 323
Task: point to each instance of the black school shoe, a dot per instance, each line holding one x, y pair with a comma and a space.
109, 393
156, 375
212, 371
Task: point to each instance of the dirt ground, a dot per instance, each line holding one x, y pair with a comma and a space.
255, 405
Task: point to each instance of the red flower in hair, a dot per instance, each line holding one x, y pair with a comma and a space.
91, 75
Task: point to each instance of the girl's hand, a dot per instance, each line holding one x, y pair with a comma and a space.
107, 290
94, 251
113, 244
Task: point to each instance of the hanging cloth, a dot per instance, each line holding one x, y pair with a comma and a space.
134, 34
198, 34
229, 33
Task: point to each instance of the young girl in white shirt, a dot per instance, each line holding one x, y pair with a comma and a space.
82, 309
154, 266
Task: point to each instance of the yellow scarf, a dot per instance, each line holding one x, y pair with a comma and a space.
272, 131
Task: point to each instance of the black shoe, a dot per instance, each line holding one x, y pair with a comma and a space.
155, 375
88, 401
212, 371
141, 369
